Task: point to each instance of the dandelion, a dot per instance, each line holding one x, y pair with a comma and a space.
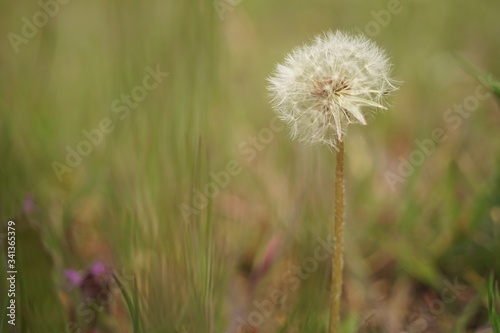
318, 91
323, 87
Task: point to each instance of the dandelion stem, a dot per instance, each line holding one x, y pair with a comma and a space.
337, 260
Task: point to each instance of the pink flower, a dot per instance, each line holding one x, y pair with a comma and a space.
94, 282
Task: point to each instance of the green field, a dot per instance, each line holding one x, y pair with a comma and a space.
141, 136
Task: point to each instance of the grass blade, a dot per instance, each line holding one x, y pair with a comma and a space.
493, 300
133, 310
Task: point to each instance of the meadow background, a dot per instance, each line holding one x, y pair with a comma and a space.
190, 264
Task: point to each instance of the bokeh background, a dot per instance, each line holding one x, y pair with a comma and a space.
207, 268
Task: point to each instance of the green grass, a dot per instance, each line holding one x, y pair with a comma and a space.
493, 300
121, 204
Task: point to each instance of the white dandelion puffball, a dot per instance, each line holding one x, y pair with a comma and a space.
322, 87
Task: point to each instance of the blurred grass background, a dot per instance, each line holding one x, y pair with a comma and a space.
121, 205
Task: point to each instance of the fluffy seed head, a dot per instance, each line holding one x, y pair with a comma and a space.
336, 80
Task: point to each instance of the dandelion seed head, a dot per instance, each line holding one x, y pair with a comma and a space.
324, 86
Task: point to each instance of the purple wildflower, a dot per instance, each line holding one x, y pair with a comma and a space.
94, 283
